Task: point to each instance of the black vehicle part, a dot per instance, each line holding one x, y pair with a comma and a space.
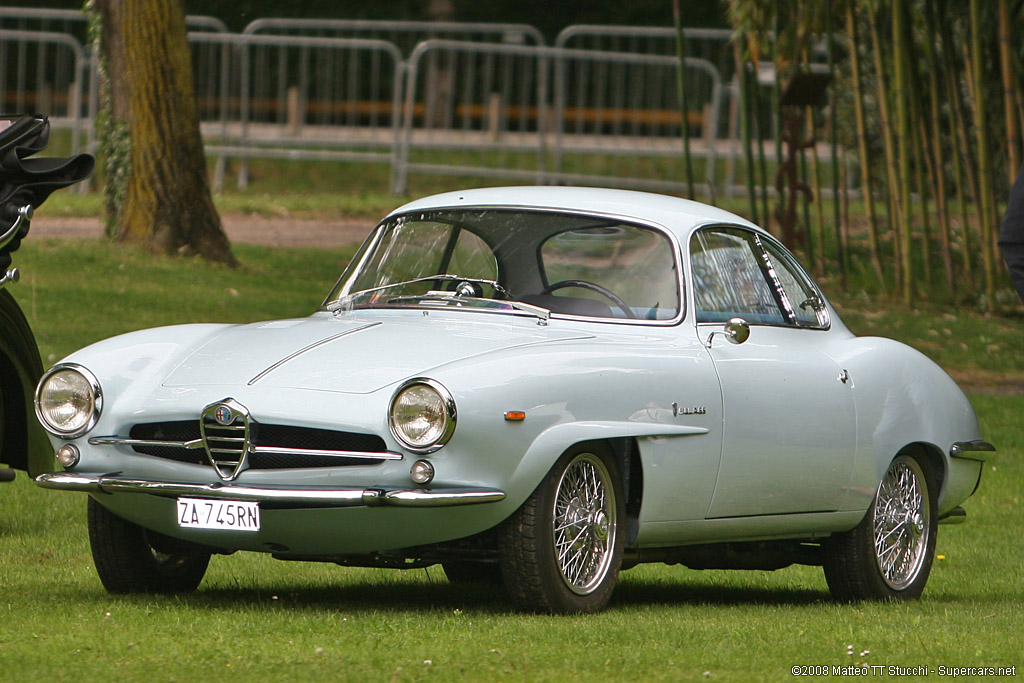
25, 183
28, 182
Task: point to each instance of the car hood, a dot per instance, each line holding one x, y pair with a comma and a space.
349, 355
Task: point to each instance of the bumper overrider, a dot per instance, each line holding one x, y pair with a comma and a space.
297, 497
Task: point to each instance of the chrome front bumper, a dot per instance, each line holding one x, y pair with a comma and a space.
299, 497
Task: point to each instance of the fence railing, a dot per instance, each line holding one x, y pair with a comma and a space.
551, 115
480, 100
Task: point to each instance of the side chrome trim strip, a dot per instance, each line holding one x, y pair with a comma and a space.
960, 449
383, 455
304, 497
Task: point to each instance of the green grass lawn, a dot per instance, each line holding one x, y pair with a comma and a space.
255, 618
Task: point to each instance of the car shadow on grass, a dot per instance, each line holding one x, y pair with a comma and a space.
692, 593
433, 593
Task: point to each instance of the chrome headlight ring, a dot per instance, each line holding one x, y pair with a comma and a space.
422, 415
68, 400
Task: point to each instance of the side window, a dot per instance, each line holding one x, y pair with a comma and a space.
803, 298
729, 278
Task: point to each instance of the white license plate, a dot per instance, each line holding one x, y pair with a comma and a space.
237, 515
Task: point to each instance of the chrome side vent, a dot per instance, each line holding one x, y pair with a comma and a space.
227, 433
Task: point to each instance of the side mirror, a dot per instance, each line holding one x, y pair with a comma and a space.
737, 330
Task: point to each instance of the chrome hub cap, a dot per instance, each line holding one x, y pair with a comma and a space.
584, 523
900, 521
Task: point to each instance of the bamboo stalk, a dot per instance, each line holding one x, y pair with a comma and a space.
899, 91
895, 210
862, 145
984, 162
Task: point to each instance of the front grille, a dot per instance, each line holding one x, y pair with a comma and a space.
227, 434
263, 436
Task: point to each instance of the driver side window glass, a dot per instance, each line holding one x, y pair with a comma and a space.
728, 278
807, 305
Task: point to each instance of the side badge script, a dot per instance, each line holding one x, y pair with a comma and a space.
696, 410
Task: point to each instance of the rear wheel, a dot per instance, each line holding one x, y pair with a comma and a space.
131, 559
888, 556
561, 551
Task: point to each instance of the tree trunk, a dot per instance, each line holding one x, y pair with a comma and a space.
167, 202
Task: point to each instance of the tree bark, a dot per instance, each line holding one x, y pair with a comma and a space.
167, 201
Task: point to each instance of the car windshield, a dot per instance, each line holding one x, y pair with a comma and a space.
507, 260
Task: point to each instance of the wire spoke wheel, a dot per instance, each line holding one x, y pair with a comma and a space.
584, 524
561, 551
901, 517
888, 556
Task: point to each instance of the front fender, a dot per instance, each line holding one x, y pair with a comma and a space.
551, 443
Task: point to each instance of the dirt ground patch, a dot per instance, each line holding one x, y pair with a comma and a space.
274, 232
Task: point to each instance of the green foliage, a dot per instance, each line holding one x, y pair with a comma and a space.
112, 289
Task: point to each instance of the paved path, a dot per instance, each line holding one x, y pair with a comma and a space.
276, 232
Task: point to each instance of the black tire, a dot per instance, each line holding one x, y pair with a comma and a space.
473, 572
131, 559
560, 552
889, 555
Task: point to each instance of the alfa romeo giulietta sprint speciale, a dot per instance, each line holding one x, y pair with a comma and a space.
536, 386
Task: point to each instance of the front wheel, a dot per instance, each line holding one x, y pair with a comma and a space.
561, 550
131, 559
888, 556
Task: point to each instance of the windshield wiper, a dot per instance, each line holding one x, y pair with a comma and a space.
542, 313
440, 277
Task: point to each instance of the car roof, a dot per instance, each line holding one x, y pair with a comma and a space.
678, 215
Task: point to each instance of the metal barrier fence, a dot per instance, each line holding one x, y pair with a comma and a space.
304, 98
501, 105
550, 115
53, 84
405, 35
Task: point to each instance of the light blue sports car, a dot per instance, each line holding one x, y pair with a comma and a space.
536, 386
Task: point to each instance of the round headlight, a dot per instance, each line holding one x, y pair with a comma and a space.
68, 401
422, 415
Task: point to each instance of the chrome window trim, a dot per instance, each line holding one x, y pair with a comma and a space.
677, 255
97, 400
